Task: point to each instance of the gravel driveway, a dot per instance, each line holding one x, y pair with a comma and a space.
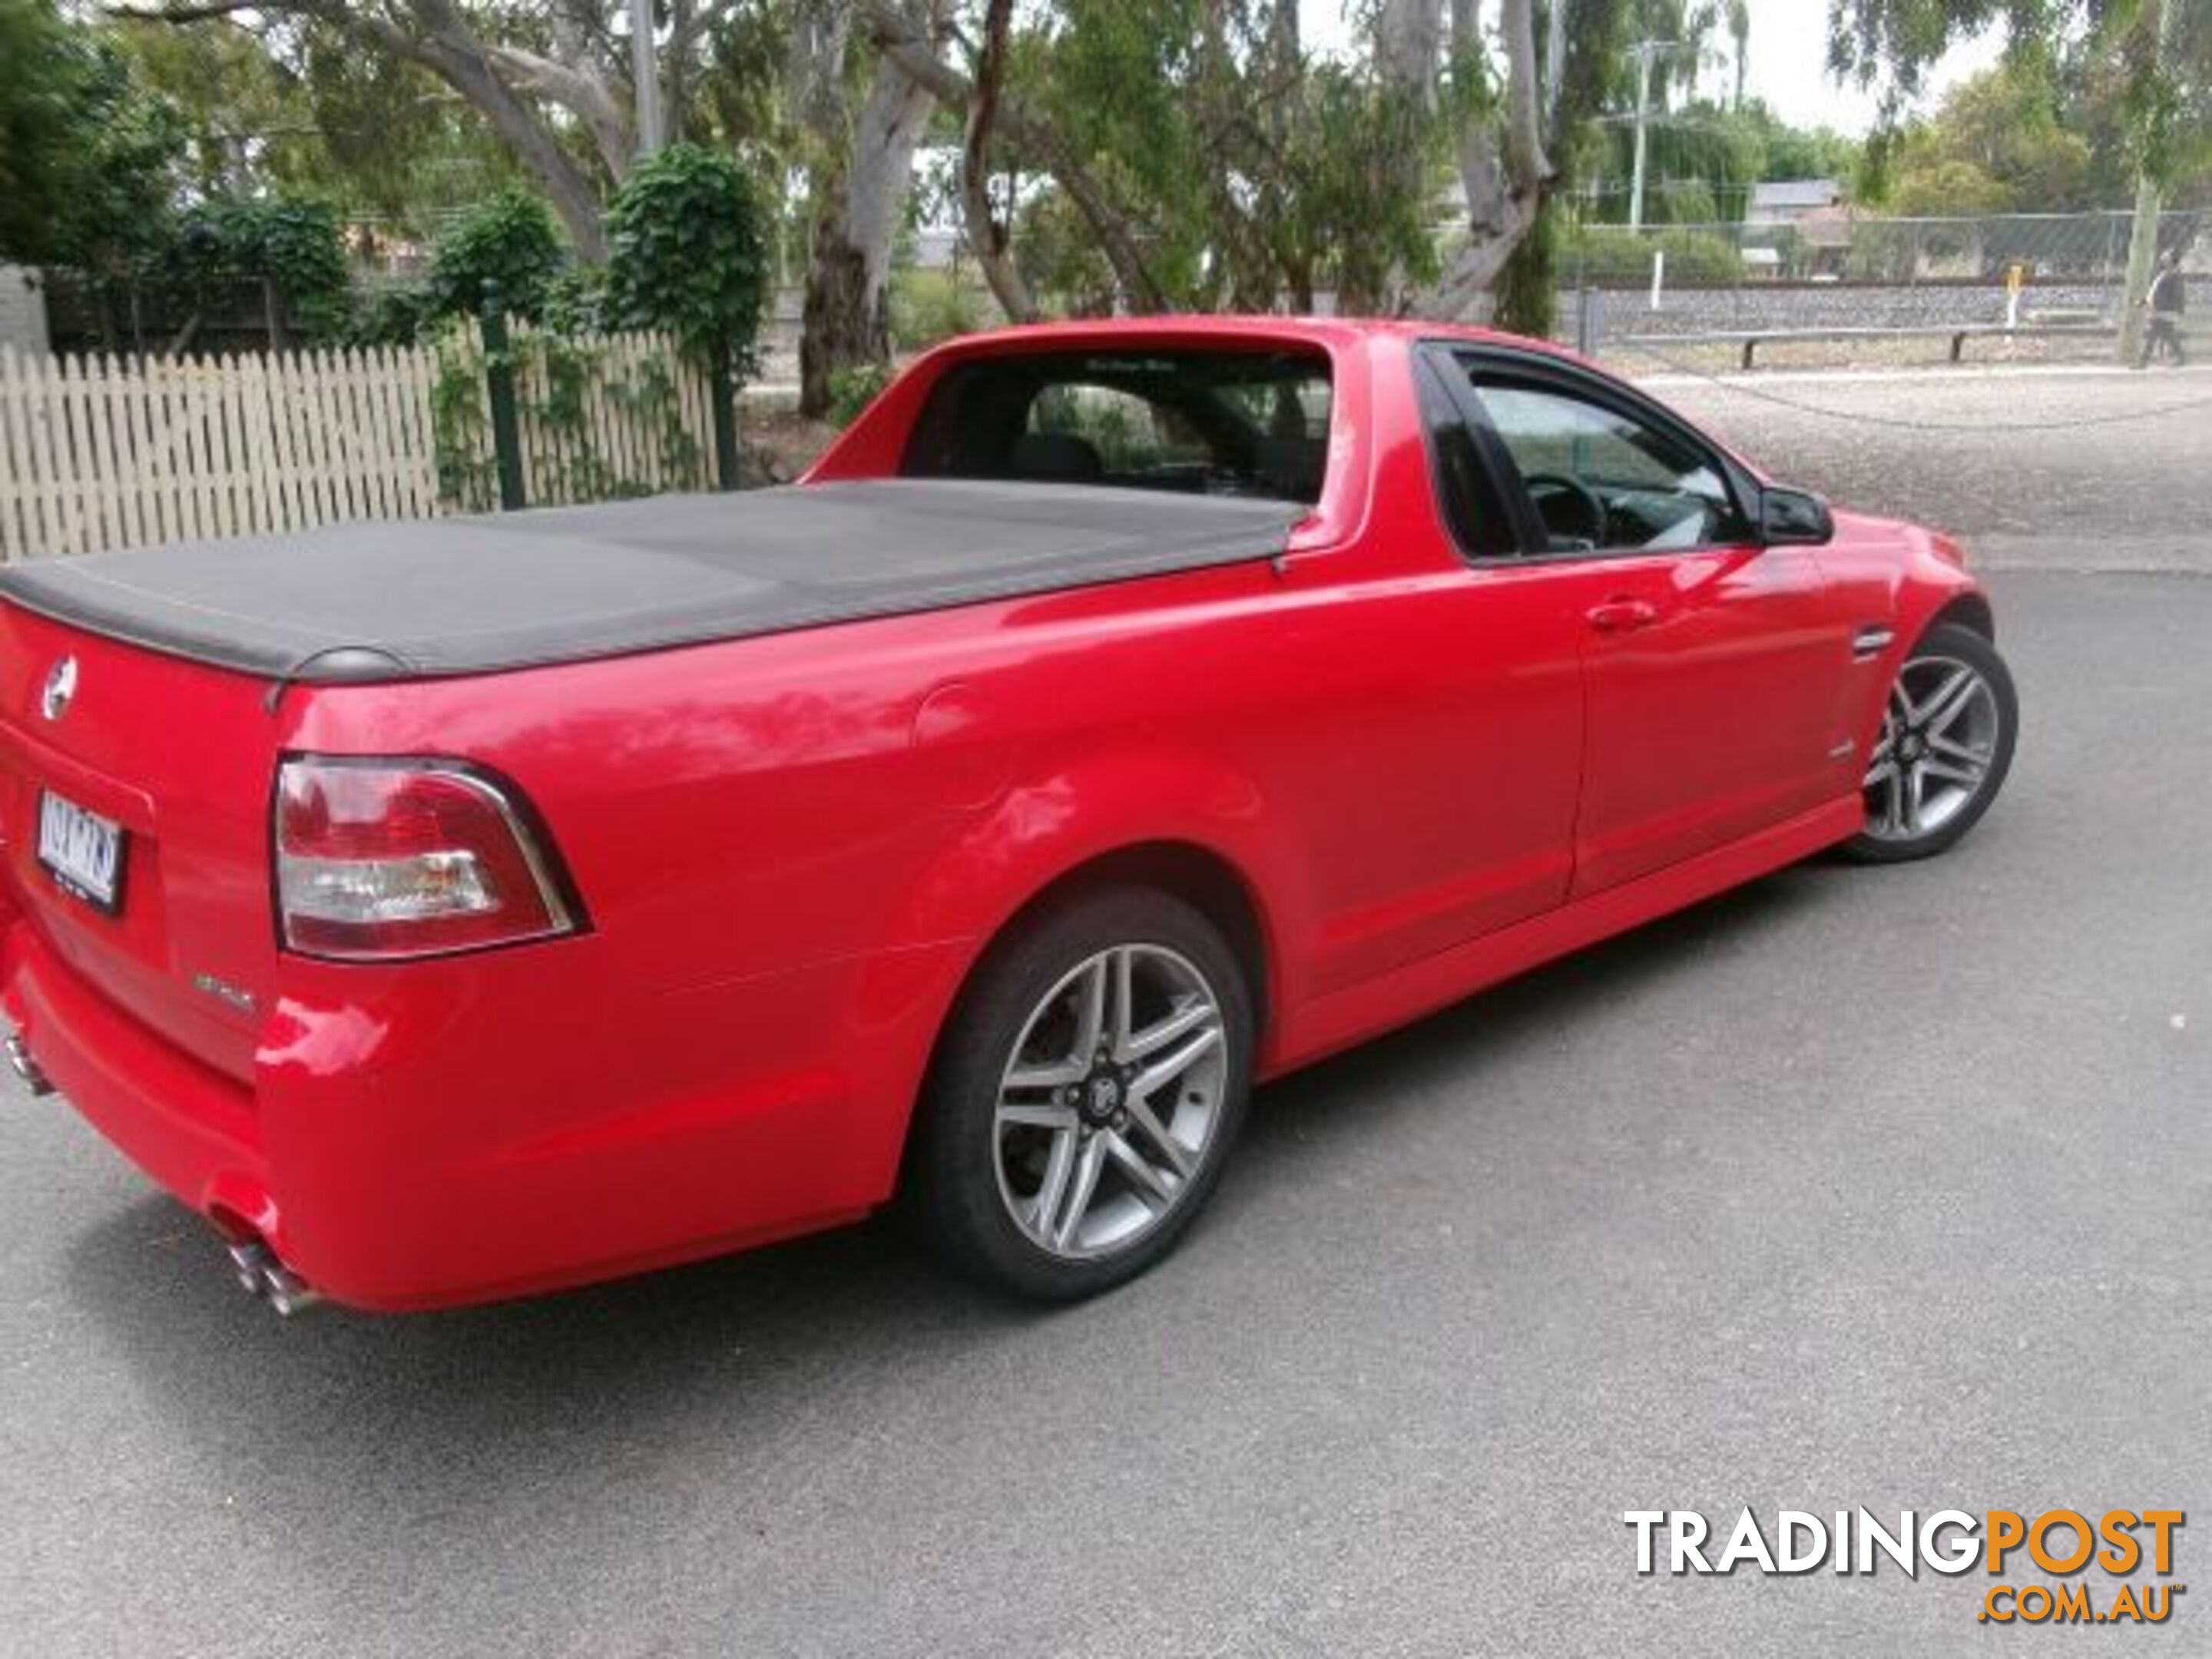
2069, 469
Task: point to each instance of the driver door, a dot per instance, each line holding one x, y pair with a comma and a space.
1711, 664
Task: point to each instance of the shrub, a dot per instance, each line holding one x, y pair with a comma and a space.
926, 307
852, 388
509, 244
575, 300
1613, 254
294, 244
687, 254
393, 314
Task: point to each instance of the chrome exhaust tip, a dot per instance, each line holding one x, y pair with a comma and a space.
260, 1273
253, 1260
288, 1292
21, 1063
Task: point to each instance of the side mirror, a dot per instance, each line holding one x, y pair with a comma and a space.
1794, 518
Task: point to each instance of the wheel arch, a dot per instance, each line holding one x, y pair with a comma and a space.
1969, 610
1203, 877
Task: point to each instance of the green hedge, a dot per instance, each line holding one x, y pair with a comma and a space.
1613, 254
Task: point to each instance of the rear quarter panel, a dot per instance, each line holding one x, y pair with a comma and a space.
791, 851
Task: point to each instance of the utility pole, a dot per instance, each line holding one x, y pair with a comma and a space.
645, 75
1647, 53
1555, 62
2142, 243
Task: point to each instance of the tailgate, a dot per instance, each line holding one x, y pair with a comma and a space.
161, 767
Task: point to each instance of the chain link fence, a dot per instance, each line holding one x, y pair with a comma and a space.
1838, 269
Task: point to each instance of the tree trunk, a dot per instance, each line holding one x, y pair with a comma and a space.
839, 326
565, 184
1503, 172
2154, 24
992, 241
1409, 45
450, 50
847, 319
897, 39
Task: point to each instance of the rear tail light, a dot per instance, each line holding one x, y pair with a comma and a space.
382, 860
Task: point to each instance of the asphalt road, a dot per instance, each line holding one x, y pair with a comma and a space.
1882, 1188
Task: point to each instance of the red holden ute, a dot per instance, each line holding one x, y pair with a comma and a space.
1118, 714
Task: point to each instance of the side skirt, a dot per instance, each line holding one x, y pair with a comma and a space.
1341, 1018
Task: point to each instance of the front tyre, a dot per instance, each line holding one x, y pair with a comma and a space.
1086, 1095
1945, 744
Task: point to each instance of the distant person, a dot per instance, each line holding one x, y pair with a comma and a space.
2167, 302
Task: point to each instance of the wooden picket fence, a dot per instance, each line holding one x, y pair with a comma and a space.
98, 452
637, 421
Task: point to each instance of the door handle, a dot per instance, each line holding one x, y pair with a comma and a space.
1618, 616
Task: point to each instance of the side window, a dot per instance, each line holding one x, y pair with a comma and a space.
1603, 481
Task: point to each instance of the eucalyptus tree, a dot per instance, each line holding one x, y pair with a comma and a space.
859, 156
552, 78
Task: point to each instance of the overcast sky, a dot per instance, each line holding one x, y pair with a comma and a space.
1788, 67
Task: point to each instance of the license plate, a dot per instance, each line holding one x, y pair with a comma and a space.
81, 851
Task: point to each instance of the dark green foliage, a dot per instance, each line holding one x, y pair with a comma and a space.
561, 381
1528, 288
853, 388
87, 158
687, 254
508, 246
1255, 173
293, 246
1614, 254
2086, 100
575, 300
394, 314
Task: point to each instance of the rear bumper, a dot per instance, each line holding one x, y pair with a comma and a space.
191, 1130
499, 1126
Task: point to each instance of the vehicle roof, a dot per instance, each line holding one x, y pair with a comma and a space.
1328, 332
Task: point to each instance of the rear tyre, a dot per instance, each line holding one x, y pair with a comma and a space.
1086, 1095
1945, 744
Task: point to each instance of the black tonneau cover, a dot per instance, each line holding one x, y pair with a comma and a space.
381, 602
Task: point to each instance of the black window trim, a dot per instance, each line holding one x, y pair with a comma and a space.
1455, 361
1521, 521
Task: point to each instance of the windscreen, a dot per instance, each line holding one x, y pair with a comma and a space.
1201, 422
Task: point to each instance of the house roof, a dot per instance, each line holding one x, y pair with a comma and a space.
1781, 193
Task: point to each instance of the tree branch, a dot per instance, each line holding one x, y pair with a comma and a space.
684, 31
897, 39
192, 13
578, 91
442, 43
985, 234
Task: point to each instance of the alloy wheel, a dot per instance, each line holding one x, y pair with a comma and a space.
1940, 738
1110, 1103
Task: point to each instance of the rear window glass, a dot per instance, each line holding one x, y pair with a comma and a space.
1204, 422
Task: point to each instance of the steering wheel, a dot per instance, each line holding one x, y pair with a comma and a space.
1570, 508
